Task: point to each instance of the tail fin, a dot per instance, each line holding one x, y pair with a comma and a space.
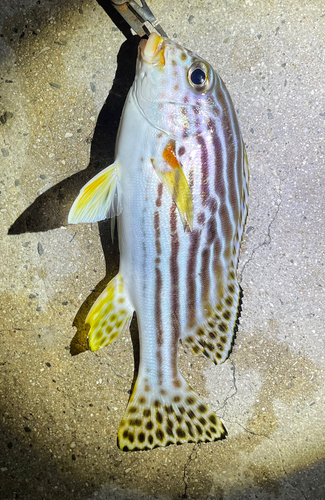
110, 315
169, 416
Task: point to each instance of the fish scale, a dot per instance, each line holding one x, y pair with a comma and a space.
179, 188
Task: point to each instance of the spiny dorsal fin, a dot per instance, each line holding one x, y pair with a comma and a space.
167, 416
99, 199
172, 176
110, 315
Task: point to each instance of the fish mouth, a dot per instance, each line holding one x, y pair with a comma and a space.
152, 50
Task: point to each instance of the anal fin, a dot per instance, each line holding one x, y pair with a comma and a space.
167, 416
110, 315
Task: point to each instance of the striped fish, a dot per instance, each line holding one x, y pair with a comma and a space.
179, 186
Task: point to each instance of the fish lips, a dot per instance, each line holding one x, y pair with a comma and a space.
151, 51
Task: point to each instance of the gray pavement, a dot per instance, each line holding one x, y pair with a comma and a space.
60, 413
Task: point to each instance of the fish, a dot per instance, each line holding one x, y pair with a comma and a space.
178, 189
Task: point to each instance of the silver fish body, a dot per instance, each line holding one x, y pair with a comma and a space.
179, 186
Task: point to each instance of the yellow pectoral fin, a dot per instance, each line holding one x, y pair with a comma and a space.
99, 199
172, 176
110, 315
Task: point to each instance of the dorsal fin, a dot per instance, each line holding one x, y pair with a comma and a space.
214, 332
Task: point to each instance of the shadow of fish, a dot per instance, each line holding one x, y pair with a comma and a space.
179, 188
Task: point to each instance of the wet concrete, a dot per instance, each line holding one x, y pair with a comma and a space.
61, 99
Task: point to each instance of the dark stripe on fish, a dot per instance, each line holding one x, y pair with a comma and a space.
157, 233
217, 265
222, 163
205, 275
232, 136
205, 192
160, 190
158, 287
174, 288
219, 185
211, 230
191, 276
158, 320
227, 228
201, 218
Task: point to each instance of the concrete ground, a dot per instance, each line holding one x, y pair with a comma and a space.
60, 413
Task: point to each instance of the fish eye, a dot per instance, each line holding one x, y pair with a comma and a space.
198, 76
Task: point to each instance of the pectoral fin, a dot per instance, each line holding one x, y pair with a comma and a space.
172, 176
99, 199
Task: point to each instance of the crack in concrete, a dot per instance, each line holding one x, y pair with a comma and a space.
267, 239
233, 369
245, 428
16, 329
298, 489
195, 450
251, 432
116, 372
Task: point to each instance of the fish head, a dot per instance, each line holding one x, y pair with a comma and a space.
174, 88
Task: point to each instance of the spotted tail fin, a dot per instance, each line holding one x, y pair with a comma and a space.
110, 315
170, 416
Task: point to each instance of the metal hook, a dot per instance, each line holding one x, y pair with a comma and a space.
137, 15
